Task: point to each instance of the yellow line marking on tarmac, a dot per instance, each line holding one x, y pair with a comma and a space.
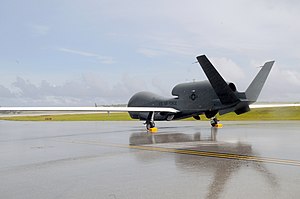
192, 152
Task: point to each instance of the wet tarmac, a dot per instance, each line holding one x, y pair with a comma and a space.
121, 160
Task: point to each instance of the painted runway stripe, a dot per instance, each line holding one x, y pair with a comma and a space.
192, 152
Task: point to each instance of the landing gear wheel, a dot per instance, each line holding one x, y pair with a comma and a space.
150, 125
214, 122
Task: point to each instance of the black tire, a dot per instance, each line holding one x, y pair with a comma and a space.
150, 125
214, 122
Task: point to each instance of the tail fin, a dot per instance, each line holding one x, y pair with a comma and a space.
256, 85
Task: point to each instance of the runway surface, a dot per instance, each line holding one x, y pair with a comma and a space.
122, 160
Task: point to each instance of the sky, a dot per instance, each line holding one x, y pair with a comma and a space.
81, 52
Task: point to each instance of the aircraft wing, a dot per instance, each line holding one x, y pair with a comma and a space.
95, 109
272, 105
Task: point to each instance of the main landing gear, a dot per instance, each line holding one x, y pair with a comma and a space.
215, 123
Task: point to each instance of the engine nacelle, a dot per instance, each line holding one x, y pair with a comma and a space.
232, 86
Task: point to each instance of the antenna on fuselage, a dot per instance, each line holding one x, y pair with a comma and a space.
197, 62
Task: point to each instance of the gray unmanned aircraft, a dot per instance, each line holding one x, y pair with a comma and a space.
190, 99
203, 97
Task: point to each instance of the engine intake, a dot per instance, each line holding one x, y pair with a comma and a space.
232, 86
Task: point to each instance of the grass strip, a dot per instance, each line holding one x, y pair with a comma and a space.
264, 114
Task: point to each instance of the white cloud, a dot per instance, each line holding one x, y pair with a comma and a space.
78, 52
159, 44
228, 69
102, 59
187, 28
5, 92
148, 52
86, 90
282, 85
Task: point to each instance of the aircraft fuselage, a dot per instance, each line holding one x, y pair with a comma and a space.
191, 99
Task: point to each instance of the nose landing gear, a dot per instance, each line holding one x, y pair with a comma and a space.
150, 125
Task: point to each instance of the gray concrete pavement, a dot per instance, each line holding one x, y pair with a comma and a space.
121, 160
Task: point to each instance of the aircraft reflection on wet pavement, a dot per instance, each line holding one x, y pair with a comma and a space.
223, 169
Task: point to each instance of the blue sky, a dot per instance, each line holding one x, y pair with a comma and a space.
81, 52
